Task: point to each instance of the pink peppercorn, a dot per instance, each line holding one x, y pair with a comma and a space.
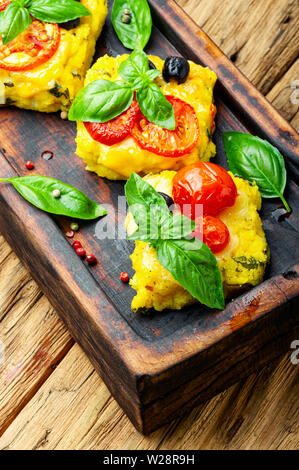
29, 165
81, 252
91, 259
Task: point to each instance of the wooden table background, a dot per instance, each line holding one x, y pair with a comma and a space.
50, 395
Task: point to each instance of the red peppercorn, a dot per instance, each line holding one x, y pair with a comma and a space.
70, 234
124, 277
29, 165
76, 244
91, 259
81, 252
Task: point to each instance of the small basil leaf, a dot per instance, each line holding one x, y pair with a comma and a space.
101, 101
134, 66
57, 12
194, 266
148, 208
179, 227
136, 33
152, 74
13, 21
72, 203
257, 161
155, 107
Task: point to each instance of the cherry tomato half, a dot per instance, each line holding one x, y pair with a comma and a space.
37, 44
116, 130
168, 143
4, 4
214, 233
203, 183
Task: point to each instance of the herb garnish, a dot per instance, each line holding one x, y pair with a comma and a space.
257, 161
17, 15
38, 190
132, 22
189, 260
103, 100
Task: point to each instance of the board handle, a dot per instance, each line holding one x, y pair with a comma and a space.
252, 107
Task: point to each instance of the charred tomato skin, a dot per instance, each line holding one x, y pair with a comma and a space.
39, 41
169, 143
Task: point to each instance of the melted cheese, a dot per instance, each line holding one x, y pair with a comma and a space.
63, 75
120, 160
242, 263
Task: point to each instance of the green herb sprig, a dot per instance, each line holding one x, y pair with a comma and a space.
17, 15
39, 190
136, 31
189, 260
103, 100
257, 161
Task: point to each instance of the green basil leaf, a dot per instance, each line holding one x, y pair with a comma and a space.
133, 35
101, 101
57, 12
148, 208
195, 267
155, 107
257, 161
179, 227
152, 74
13, 21
72, 203
135, 66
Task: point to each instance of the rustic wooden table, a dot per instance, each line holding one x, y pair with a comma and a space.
50, 396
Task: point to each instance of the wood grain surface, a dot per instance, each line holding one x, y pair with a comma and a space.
50, 396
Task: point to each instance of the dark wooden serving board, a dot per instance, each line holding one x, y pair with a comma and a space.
158, 365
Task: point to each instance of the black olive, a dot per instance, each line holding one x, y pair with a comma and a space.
177, 68
151, 65
70, 24
169, 201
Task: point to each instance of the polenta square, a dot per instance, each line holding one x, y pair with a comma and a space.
241, 259
129, 143
44, 67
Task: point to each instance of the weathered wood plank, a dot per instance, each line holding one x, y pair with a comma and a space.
33, 337
76, 411
261, 37
207, 433
285, 94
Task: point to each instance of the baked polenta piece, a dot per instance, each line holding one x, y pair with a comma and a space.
50, 86
242, 262
119, 160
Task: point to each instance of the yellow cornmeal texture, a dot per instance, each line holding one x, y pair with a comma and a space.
241, 263
63, 75
120, 160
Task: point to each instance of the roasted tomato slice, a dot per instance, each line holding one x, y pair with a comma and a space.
4, 4
167, 143
116, 130
31, 48
203, 183
213, 232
